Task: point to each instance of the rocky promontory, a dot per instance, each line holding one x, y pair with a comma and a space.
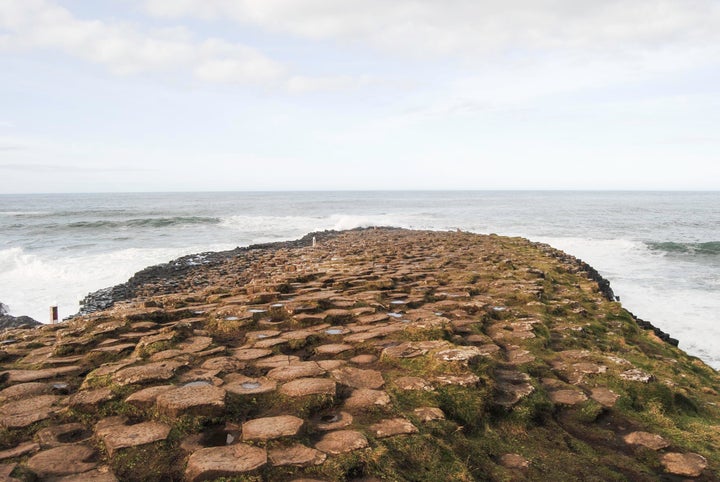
9, 321
376, 354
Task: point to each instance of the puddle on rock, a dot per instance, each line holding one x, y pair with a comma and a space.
197, 383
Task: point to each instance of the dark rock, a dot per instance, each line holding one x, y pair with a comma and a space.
9, 321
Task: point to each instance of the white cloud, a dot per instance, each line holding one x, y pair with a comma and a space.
126, 48
485, 54
469, 27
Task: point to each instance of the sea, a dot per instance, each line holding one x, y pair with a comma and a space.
660, 250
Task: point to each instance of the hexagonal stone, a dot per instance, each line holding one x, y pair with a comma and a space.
337, 316
296, 335
404, 350
604, 396
341, 442
223, 364
57, 435
636, 375
19, 451
64, 460
518, 356
329, 365
105, 370
19, 376
646, 439
269, 342
392, 426
146, 397
297, 455
25, 412
372, 318
361, 337
215, 462
589, 368
511, 387
460, 380
413, 383
363, 359
249, 354
203, 400
152, 372
123, 436
114, 348
514, 461
296, 370
277, 361
253, 336
463, 354
332, 349
428, 414
567, 397
89, 399
365, 398
200, 374
308, 386
268, 428
107, 425
358, 378
521, 330
333, 421
242, 385
24, 390
687, 465
195, 344
166, 354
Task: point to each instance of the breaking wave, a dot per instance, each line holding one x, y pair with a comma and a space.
145, 222
711, 248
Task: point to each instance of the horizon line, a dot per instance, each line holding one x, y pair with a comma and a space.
303, 191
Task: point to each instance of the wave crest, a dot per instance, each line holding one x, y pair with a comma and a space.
710, 248
145, 222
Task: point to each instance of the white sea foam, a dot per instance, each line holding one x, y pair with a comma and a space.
279, 227
31, 283
661, 290
23, 213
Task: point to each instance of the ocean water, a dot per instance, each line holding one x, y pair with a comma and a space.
660, 250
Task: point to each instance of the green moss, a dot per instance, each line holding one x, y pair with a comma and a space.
464, 405
417, 458
158, 462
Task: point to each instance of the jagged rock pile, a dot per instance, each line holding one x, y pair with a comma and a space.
380, 354
9, 321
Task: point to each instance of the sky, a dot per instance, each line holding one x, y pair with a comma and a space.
237, 95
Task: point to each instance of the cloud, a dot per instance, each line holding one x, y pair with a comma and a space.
57, 168
470, 27
126, 48
478, 55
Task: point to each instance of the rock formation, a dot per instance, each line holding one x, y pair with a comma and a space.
9, 321
378, 354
